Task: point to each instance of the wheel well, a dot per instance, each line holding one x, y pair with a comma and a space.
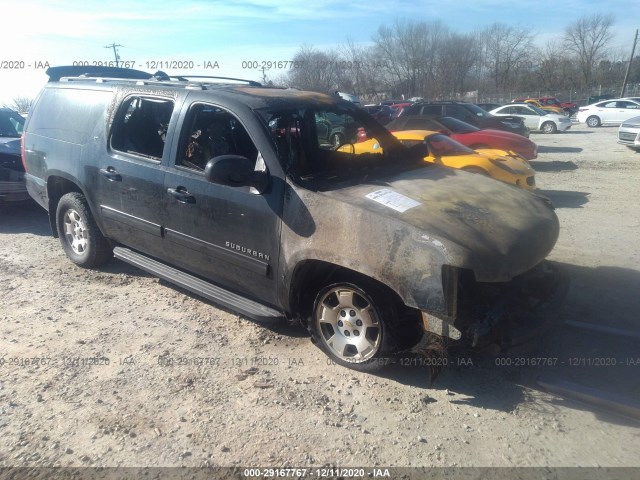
56, 188
311, 275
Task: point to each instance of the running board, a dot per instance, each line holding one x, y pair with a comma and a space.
225, 298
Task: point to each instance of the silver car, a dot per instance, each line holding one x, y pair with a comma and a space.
629, 133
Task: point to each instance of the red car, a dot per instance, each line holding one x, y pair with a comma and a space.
468, 135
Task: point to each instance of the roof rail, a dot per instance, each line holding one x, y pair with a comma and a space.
116, 73
253, 83
56, 73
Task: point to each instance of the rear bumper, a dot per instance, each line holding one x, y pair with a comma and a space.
37, 188
13, 191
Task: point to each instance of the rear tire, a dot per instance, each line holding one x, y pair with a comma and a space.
593, 121
79, 234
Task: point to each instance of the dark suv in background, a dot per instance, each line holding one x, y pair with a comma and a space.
12, 187
234, 191
470, 113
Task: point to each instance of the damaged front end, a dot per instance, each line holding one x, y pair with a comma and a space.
497, 318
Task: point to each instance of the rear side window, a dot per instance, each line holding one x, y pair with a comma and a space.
68, 114
141, 126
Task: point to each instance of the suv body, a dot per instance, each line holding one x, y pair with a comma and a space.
226, 190
12, 186
470, 113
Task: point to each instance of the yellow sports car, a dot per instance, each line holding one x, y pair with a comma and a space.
508, 167
548, 108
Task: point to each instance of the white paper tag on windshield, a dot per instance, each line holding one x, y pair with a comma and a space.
392, 199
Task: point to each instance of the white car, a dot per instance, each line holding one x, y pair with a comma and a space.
608, 112
629, 133
535, 118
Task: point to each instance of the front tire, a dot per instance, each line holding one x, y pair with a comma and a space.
351, 325
549, 127
593, 121
79, 234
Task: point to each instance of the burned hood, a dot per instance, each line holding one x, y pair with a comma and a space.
495, 229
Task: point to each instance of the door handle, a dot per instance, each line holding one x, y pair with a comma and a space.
181, 194
111, 174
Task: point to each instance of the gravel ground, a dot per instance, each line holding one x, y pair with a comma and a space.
179, 382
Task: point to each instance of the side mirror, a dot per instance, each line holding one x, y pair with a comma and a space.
236, 171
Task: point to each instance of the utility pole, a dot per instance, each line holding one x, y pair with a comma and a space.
626, 75
115, 52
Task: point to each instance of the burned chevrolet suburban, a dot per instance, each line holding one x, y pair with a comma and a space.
254, 198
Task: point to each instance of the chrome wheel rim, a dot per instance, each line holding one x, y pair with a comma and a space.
75, 231
349, 325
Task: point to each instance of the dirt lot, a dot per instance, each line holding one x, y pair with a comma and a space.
189, 384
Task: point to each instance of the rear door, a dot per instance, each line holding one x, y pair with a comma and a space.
608, 112
129, 178
228, 235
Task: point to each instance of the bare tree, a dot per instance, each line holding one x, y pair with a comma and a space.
555, 70
505, 50
315, 70
588, 38
457, 56
20, 104
408, 55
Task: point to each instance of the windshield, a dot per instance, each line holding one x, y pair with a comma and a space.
443, 146
458, 126
335, 141
11, 124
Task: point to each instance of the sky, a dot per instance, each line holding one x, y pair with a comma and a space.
234, 37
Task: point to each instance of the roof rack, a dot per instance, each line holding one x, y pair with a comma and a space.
77, 72
252, 83
56, 73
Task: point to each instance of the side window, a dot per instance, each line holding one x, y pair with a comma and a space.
506, 111
432, 110
209, 132
459, 112
334, 129
141, 126
522, 111
609, 105
623, 104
